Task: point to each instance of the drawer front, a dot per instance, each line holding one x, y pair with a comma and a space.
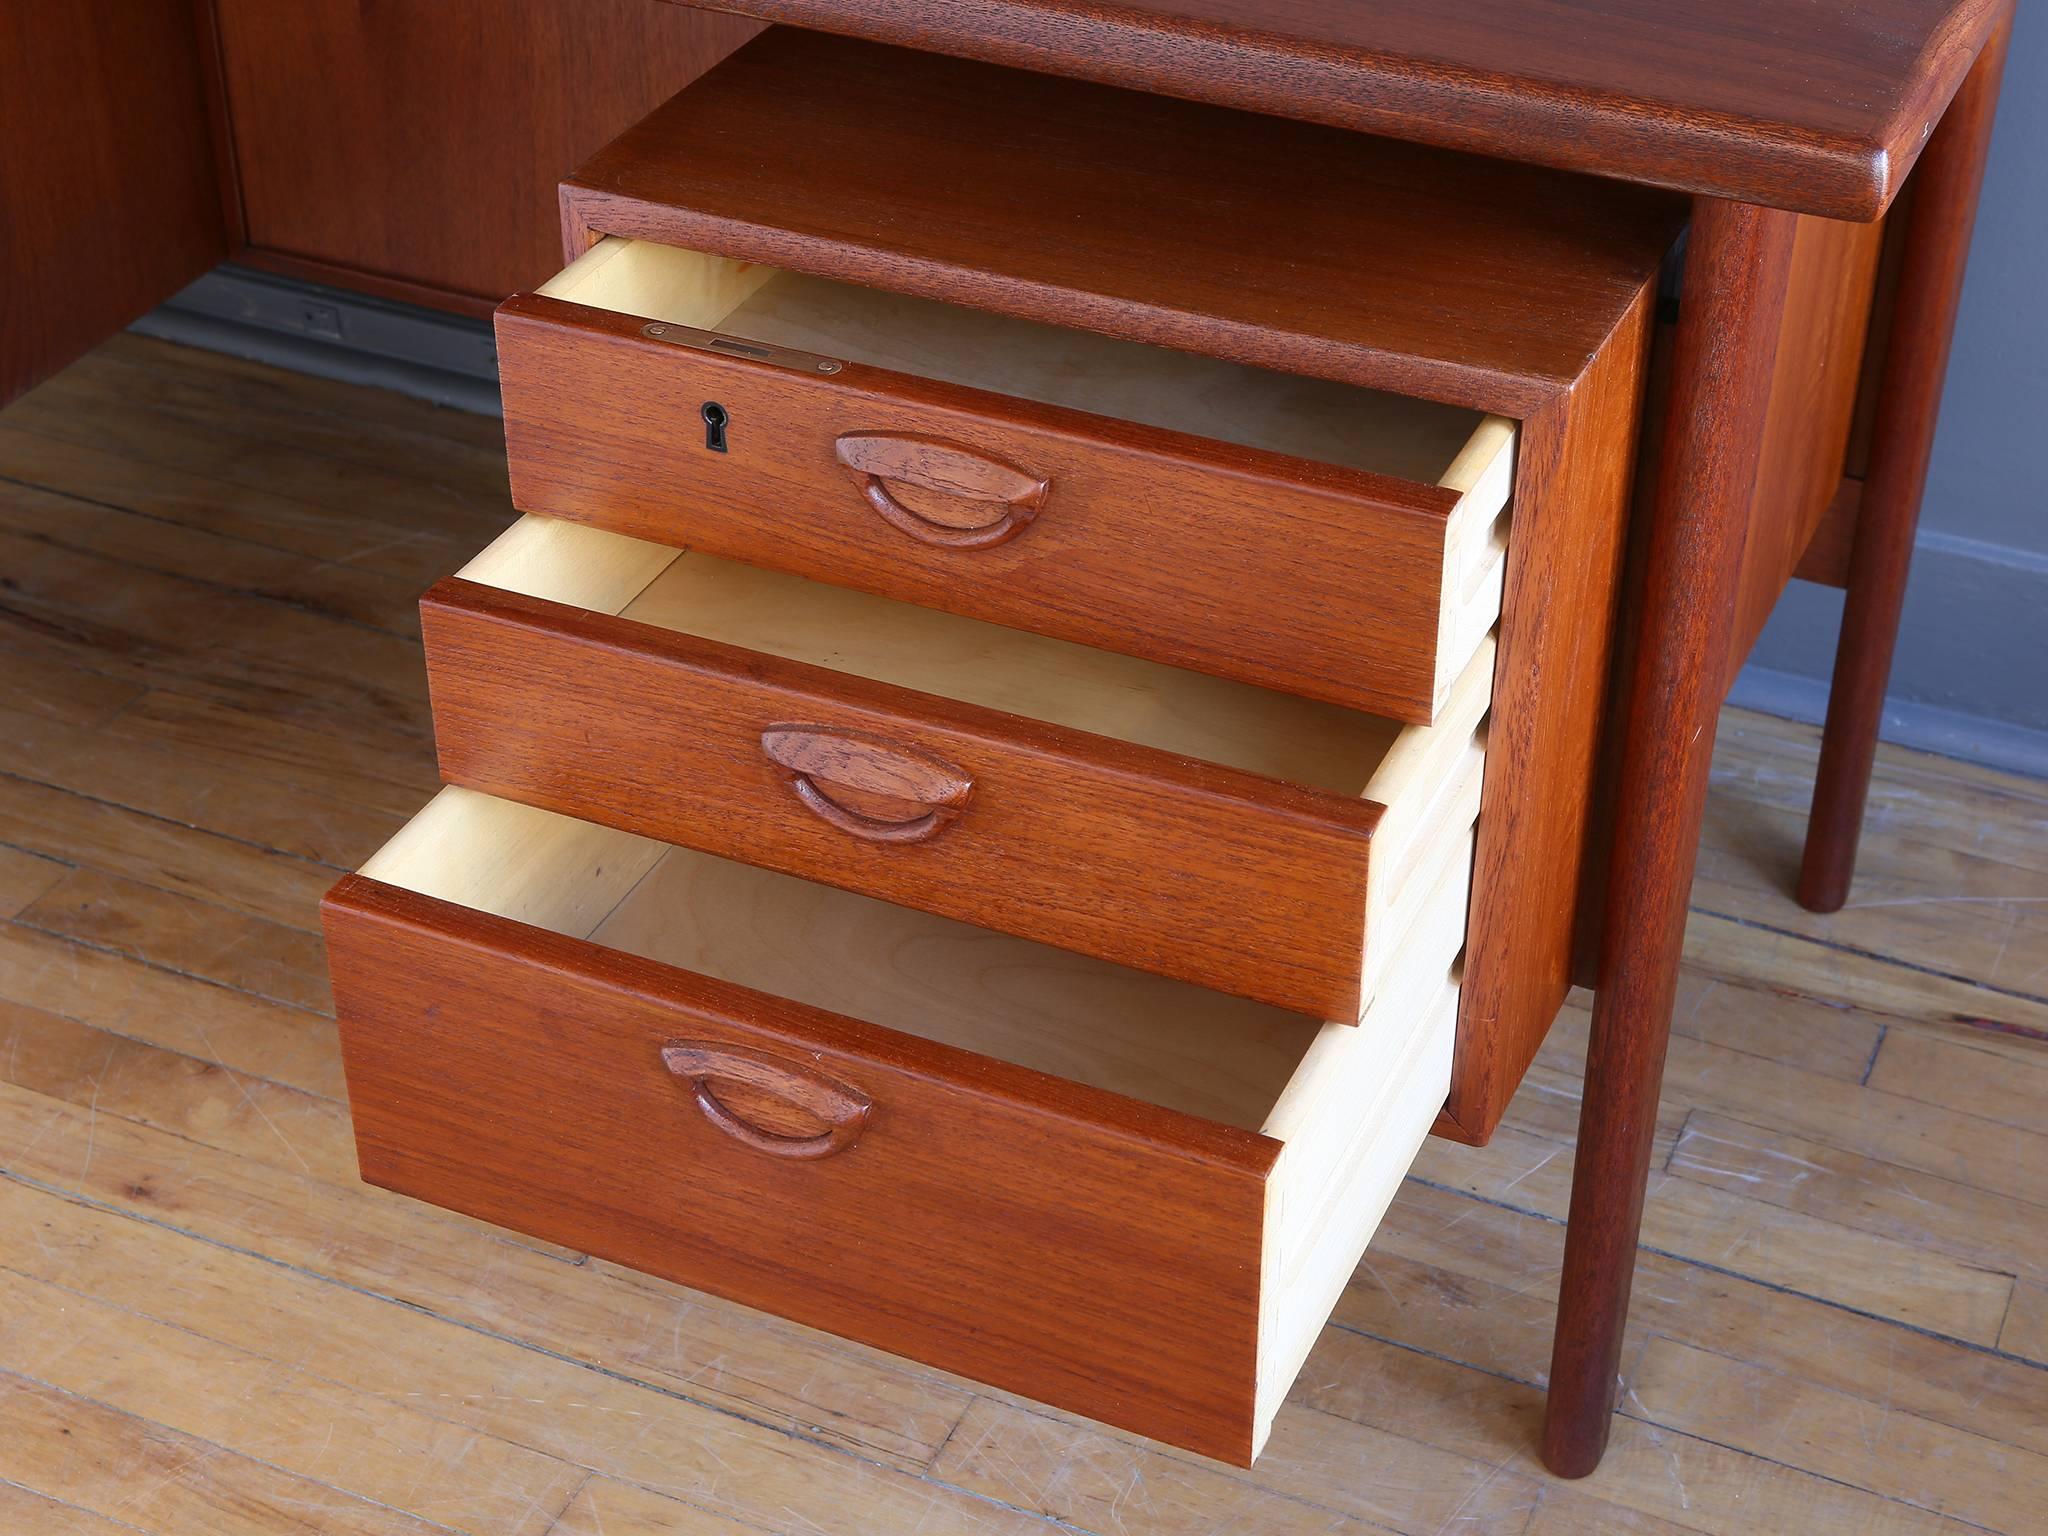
1185, 869
1040, 1235
1317, 580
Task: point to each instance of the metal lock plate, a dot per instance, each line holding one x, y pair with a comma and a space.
739, 346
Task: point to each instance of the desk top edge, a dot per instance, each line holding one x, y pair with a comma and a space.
1265, 240
1726, 98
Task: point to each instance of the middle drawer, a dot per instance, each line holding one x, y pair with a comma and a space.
1250, 841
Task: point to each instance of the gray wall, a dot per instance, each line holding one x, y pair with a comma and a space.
1971, 676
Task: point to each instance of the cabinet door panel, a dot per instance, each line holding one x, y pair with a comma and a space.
108, 197
413, 146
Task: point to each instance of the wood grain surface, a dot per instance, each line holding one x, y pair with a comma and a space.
1252, 238
1111, 848
109, 199
198, 1285
1813, 401
1826, 558
866, 191
1347, 1106
1935, 248
454, 1047
1738, 267
412, 148
1821, 110
1541, 838
1325, 581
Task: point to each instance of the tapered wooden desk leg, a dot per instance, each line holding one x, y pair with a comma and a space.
1937, 243
1736, 270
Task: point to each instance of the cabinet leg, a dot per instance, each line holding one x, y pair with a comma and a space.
1735, 281
1937, 242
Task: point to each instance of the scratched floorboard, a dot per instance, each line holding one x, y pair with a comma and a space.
211, 702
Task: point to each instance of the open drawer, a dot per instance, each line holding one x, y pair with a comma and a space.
1331, 541
1128, 1197
1252, 841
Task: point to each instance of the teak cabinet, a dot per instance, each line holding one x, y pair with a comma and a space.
1003, 784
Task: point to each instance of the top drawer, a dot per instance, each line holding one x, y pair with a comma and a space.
1331, 541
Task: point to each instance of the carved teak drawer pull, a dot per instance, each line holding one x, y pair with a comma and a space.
784, 1094
865, 785
990, 501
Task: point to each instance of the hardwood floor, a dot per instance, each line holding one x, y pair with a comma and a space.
211, 700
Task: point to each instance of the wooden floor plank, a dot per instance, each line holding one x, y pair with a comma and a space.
1813, 968
24, 1511
44, 686
237, 807
195, 1018
1864, 1442
456, 1269
279, 1414
193, 1097
1562, 1512
1971, 912
249, 877
180, 933
339, 418
197, 1099
593, 1418
1968, 1072
390, 776
1760, 1020
610, 1508
1929, 1137
1848, 1265
1762, 760
606, 1508
1086, 1476
237, 565
1477, 1283
26, 877
142, 625
1669, 1476
1995, 1233
2026, 1326
137, 1472
190, 499
467, 504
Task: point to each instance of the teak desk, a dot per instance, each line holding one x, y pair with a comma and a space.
1770, 117
650, 748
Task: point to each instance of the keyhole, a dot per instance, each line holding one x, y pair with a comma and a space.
715, 418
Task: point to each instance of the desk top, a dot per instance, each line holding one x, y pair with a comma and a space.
1820, 106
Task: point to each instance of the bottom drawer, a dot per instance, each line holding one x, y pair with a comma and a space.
1123, 1195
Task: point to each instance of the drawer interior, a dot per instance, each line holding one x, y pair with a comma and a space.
1166, 1042
1191, 714
1349, 1105
1313, 419
1425, 780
